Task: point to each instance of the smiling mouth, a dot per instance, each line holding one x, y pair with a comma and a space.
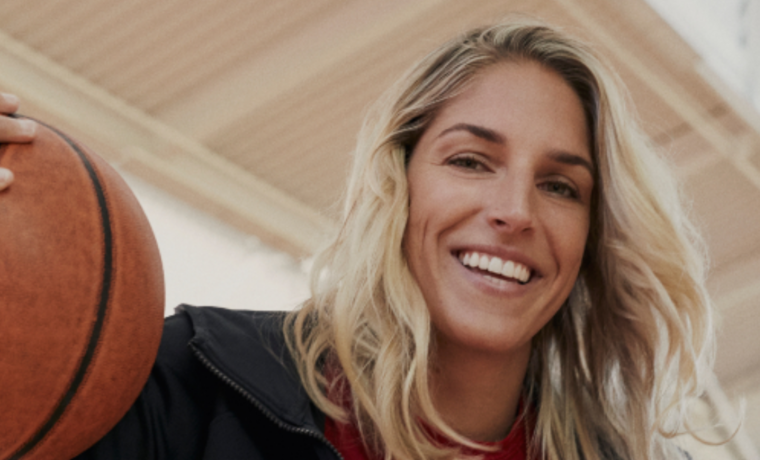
495, 267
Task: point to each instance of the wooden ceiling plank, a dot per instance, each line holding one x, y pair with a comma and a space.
301, 159
54, 36
13, 8
287, 139
290, 114
233, 43
158, 36
159, 151
108, 31
28, 17
316, 49
185, 63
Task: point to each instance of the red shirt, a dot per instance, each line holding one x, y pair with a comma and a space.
347, 440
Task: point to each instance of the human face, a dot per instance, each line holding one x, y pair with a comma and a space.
503, 171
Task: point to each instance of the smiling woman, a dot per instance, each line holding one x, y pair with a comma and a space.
506, 262
514, 278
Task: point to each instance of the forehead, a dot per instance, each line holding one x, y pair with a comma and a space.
522, 101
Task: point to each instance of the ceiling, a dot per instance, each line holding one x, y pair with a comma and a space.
249, 109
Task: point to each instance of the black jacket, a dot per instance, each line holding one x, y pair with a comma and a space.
223, 387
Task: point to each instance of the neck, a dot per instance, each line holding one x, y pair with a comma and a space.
478, 394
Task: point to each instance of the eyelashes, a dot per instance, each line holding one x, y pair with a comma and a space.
471, 162
561, 188
468, 161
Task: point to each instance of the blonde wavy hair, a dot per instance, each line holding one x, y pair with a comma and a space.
610, 376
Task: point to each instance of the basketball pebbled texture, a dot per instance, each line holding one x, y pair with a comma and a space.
81, 299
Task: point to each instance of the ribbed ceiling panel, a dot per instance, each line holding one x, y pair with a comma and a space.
151, 52
732, 212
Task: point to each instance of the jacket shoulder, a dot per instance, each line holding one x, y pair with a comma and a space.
172, 409
236, 341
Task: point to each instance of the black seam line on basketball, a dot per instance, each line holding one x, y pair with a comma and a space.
102, 305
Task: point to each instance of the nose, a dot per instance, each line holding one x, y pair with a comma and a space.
510, 207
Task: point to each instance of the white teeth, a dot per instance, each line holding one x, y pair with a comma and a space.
483, 263
508, 269
518, 273
522, 273
494, 266
474, 260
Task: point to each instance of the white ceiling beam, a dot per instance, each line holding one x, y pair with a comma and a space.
285, 67
670, 92
158, 152
753, 51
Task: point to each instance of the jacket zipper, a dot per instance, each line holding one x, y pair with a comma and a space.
250, 398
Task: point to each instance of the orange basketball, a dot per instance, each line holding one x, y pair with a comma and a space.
81, 299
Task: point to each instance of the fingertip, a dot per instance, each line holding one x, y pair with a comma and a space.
10, 98
6, 177
10, 102
28, 128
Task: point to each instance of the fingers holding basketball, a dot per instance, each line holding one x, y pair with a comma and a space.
12, 130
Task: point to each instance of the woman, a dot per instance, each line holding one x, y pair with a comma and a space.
507, 281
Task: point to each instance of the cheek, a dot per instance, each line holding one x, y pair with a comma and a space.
421, 236
433, 212
415, 225
572, 240
424, 209
412, 242
565, 232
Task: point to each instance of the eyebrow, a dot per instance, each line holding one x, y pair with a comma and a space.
496, 138
478, 131
573, 160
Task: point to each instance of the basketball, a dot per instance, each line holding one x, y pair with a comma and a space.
81, 298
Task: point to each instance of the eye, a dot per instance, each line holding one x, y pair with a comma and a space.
560, 188
467, 161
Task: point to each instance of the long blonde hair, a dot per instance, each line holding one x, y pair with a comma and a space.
610, 375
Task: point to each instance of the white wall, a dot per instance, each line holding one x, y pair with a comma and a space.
207, 262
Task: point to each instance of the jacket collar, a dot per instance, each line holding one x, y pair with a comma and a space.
248, 348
